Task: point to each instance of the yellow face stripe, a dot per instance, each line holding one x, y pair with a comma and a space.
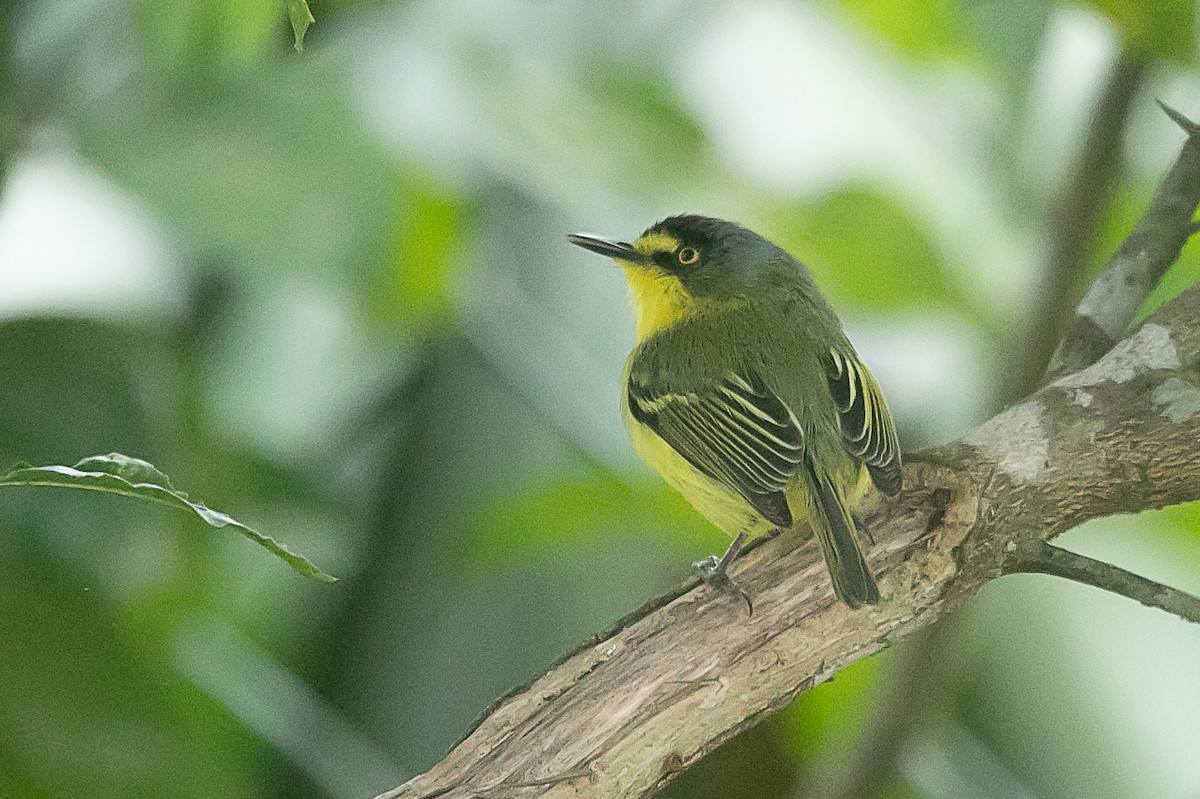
656, 242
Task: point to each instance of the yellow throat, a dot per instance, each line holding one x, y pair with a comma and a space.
659, 300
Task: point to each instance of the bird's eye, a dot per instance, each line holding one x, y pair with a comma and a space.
688, 256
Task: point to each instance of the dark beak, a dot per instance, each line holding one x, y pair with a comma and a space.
610, 247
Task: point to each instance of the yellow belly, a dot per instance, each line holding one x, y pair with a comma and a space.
721, 506
724, 508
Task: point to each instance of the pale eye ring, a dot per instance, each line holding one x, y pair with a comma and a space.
688, 256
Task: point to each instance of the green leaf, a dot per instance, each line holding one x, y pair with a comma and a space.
131, 477
301, 18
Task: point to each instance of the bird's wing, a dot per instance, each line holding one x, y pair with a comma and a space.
737, 432
867, 428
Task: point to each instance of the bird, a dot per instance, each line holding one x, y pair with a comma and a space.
743, 392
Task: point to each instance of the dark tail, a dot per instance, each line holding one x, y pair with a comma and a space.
852, 579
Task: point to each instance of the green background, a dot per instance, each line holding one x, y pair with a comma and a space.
330, 295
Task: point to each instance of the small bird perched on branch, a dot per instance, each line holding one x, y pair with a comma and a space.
745, 395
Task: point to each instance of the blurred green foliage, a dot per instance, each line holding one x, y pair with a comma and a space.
1164, 29
929, 29
908, 273
329, 293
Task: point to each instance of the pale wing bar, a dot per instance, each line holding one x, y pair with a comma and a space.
737, 433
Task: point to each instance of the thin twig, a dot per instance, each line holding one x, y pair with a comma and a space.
1043, 558
1138, 264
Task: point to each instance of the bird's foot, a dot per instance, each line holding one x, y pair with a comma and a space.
715, 572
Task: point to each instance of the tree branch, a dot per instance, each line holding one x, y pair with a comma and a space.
624, 714
1138, 264
1043, 558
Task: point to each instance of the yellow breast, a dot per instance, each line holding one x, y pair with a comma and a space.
659, 300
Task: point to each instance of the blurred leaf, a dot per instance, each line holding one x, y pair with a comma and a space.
187, 35
1024, 701
1186, 515
73, 385
8, 115
1162, 545
754, 765
1011, 33
925, 29
425, 251
598, 123
92, 701
866, 250
269, 166
900, 790
574, 511
131, 477
1162, 29
665, 141
1184, 274
826, 722
301, 18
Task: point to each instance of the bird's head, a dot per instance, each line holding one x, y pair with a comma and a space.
685, 264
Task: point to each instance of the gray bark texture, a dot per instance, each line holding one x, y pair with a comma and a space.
628, 711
